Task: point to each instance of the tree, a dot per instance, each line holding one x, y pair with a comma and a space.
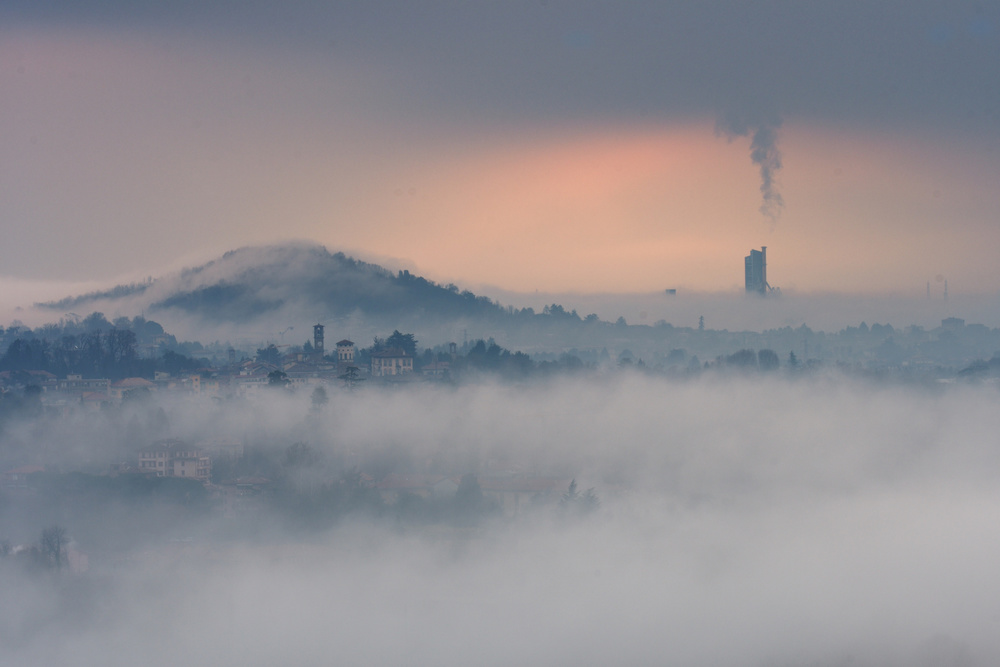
121, 346
278, 379
175, 364
405, 342
53, 546
351, 376
580, 503
26, 355
742, 358
571, 495
92, 354
570, 362
319, 398
589, 502
558, 312
269, 355
767, 360
95, 322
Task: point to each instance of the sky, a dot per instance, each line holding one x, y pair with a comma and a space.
554, 146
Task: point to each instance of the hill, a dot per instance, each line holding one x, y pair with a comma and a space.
255, 283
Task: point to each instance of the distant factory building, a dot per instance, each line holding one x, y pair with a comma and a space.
756, 271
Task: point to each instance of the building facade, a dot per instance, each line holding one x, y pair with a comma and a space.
345, 353
174, 458
391, 362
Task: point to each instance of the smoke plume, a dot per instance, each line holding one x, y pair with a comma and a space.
763, 152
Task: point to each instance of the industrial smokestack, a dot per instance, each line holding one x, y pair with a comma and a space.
756, 271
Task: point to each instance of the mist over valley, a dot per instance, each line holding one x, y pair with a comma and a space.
737, 520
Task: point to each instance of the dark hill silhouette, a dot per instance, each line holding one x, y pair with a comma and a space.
249, 283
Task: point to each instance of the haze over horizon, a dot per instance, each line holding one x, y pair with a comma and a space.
36, 303
558, 147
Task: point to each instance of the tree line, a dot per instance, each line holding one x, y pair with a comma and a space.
108, 354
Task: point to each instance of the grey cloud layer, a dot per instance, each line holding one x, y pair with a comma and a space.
881, 63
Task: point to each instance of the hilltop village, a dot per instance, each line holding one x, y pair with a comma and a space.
71, 438
35, 362
92, 363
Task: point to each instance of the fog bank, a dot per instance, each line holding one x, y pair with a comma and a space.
738, 311
819, 521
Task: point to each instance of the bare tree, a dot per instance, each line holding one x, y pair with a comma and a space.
53, 546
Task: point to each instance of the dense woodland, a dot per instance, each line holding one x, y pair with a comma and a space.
94, 348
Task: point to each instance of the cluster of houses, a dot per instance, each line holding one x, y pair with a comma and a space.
170, 457
242, 379
311, 368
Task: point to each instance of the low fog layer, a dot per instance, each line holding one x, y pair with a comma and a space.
738, 311
819, 521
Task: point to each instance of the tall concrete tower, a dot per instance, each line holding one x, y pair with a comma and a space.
755, 265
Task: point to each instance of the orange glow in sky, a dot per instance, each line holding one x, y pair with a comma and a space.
129, 172
643, 209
